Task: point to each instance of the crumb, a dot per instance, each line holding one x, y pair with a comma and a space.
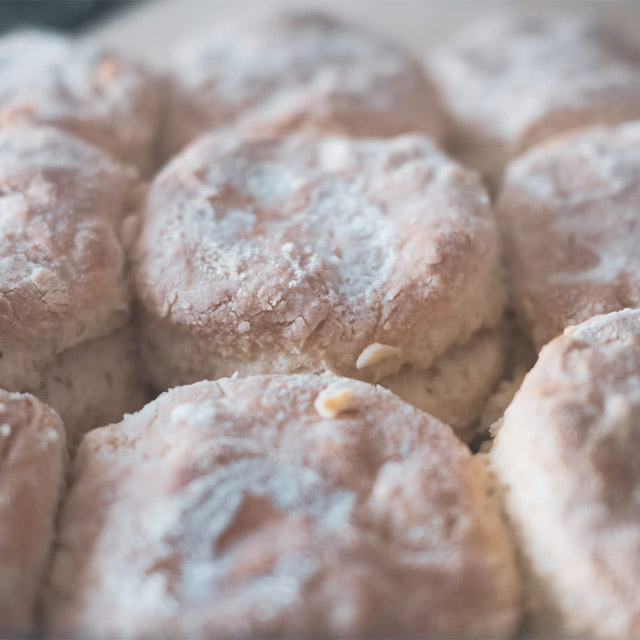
375, 353
336, 399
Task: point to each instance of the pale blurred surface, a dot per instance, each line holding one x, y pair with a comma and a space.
152, 29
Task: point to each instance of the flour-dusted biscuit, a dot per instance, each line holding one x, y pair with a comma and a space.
515, 80
570, 211
279, 506
567, 459
302, 255
62, 259
277, 73
32, 466
94, 93
64, 210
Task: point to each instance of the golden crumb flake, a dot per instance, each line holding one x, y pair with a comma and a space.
336, 399
375, 353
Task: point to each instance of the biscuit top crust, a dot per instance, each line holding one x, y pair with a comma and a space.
255, 515
520, 79
94, 93
29, 429
315, 249
23, 415
281, 72
568, 455
32, 463
586, 384
61, 260
570, 213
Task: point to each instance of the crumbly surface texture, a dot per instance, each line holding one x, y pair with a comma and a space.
96, 94
569, 213
515, 80
62, 282
280, 505
94, 384
302, 255
277, 73
456, 387
498, 402
519, 357
32, 466
567, 459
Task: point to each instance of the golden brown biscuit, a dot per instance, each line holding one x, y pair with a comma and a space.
280, 506
302, 255
567, 459
96, 94
32, 466
284, 72
569, 212
515, 80
64, 206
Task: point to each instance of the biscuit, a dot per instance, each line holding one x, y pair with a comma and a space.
456, 387
519, 356
358, 256
274, 74
515, 80
95, 383
567, 459
64, 206
96, 94
279, 506
569, 214
32, 466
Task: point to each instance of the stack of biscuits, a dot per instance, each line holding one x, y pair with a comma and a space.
306, 337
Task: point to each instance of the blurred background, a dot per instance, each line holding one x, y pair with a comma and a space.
149, 27
68, 15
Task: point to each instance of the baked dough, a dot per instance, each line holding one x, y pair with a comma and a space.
64, 210
33, 461
566, 458
94, 93
570, 216
275, 73
280, 506
302, 255
514, 80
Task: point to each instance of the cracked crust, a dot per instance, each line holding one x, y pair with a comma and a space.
295, 255
513, 81
567, 459
255, 516
275, 74
569, 214
95, 94
62, 280
32, 466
